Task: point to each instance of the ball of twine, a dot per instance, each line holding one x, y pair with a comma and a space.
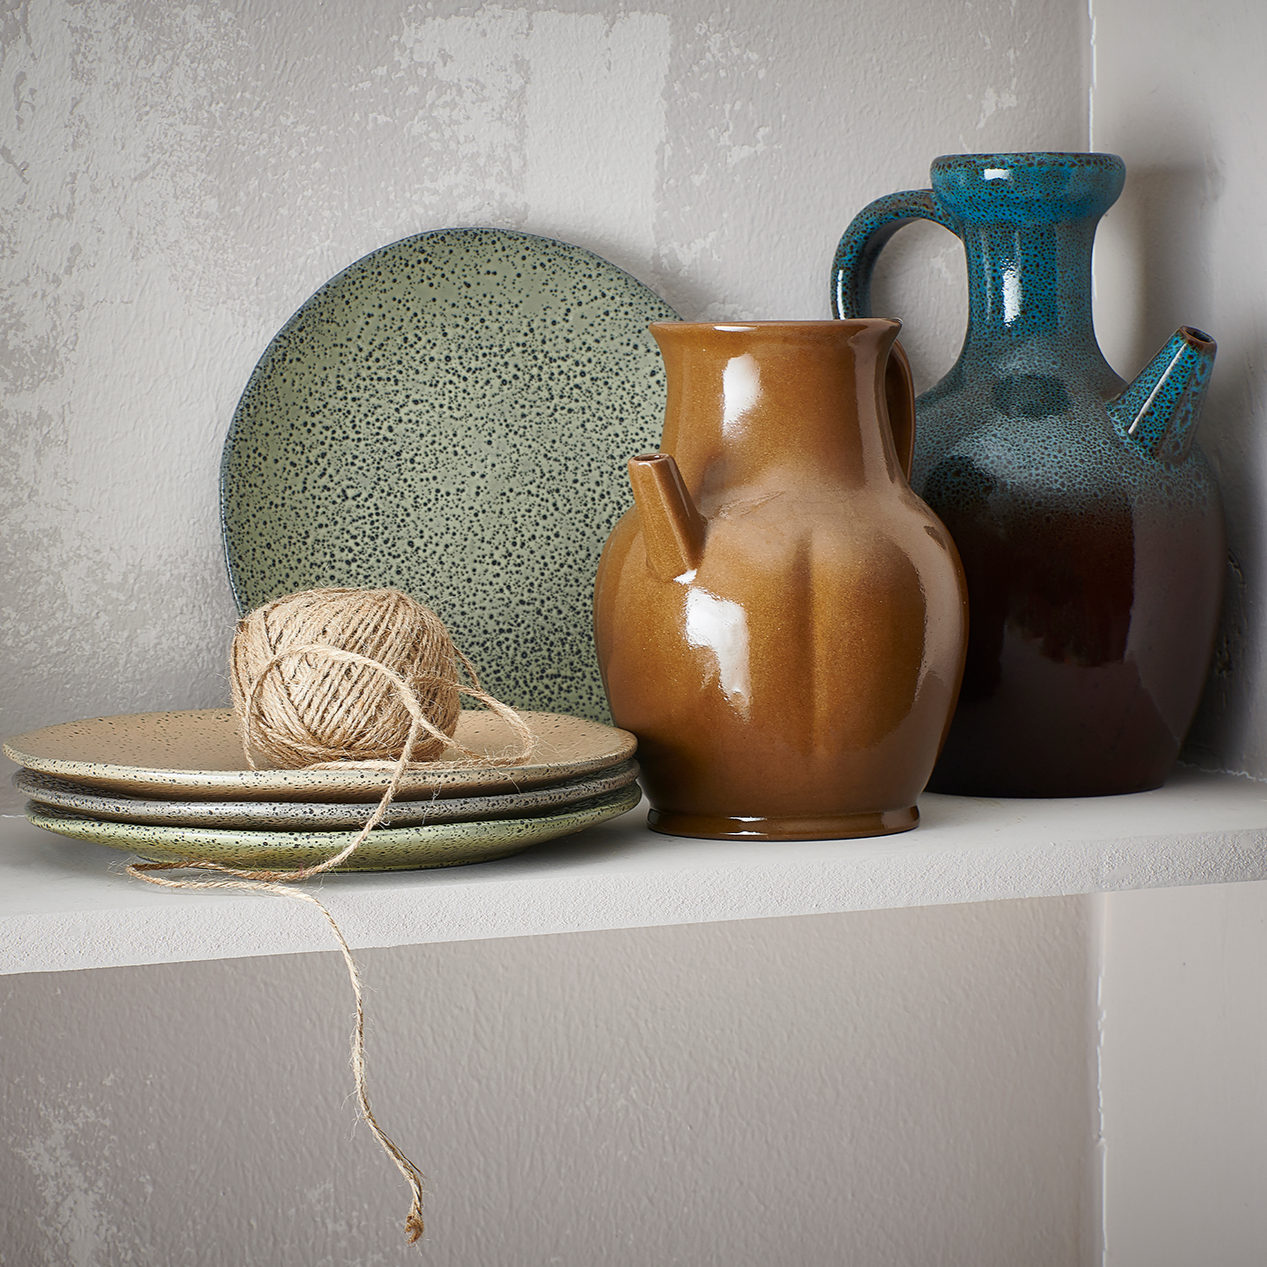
336, 676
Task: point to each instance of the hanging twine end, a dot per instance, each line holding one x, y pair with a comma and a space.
413, 1224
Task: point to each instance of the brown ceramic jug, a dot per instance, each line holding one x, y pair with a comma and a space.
779, 619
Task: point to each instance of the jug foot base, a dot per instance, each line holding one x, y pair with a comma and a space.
783, 827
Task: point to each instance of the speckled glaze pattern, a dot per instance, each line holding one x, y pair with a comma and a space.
197, 754
86, 802
447, 417
384, 849
780, 620
1089, 524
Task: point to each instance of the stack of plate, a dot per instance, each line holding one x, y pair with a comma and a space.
175, 786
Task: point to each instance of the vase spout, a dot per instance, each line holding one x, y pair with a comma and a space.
1157, 414
673, 529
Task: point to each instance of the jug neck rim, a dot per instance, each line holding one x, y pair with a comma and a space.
835, 326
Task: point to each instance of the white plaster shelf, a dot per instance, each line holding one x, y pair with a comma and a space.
65, 905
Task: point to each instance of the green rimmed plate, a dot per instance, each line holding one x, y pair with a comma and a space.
385, 849
452, 416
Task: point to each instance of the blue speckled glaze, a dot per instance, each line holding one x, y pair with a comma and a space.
1089, 524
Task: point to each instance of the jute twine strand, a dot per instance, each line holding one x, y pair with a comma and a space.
393, 704
413, 1176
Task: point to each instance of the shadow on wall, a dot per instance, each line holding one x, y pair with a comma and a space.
1160, 221
1163, 234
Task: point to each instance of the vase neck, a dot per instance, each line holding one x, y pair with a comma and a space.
1028, 225
1030, 282
780, 405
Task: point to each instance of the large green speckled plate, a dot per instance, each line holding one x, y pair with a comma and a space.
452, 416
384, 849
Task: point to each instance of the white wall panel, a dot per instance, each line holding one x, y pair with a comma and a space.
1179, 94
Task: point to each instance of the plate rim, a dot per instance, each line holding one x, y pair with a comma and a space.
148, 809
600, 809
290, 784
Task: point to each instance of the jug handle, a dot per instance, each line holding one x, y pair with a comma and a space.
899, 399
863, 240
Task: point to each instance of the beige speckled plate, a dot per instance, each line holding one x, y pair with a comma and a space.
385, 849
197, 755
87, 802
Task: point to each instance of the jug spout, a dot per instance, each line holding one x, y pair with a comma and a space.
673, 530
1158, 413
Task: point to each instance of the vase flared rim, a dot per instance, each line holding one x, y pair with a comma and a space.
1032, 158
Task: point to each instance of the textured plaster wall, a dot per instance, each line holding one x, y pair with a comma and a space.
903, 1088
177, 179
1180, 96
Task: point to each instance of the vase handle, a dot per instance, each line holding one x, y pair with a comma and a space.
863, 240
899, 398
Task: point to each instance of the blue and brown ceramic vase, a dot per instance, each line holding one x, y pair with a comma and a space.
1089, 524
